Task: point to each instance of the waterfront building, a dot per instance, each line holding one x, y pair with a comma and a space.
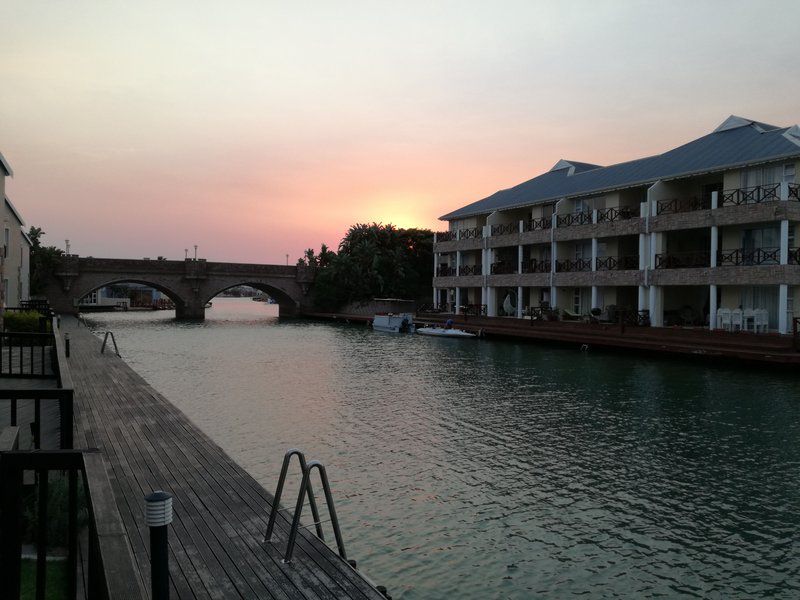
701, 235
16, 248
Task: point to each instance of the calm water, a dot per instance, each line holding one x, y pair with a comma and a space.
477, 469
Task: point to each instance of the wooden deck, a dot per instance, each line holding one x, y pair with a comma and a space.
216, 539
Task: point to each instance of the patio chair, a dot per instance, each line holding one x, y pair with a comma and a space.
761, 322
724, 319
568, 315
736, 319
748, 317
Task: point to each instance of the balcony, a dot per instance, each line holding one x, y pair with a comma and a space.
535, 265
794, 192
573, 266
683, 260
757, 256
466, 270
471, 233
751, 195
794, 256
445, 271
682, 205
617, 263
538, 224
503, 268
622, 213
505, 229
445, 236
580, 218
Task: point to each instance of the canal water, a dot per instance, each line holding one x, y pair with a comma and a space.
495, 469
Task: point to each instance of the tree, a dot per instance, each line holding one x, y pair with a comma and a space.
374, 260
44, 260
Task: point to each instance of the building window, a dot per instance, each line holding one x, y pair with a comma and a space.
788, 172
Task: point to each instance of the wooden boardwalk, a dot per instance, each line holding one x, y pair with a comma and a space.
216, 539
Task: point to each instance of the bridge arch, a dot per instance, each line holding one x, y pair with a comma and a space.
164, 289
283, 298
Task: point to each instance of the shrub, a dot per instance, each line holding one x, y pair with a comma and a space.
25, 321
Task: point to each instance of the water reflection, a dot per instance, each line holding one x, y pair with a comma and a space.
476, 469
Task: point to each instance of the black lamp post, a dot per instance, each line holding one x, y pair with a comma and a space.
158, 516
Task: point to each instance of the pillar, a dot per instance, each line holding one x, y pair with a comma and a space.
594, 297
642, 298
783, 308
712, 307
784, 242
458, 301
519, 301
656, 306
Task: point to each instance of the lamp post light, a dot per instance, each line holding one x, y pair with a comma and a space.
195, 251
158, 515
67, 244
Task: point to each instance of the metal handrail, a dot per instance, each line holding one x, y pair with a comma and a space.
105, 340
273, 513
326, 487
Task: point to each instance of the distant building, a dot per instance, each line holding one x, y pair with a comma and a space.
704, 234
15, 250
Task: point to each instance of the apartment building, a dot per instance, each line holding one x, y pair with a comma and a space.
15, 249
683, 237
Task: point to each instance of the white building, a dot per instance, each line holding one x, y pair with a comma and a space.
15, 250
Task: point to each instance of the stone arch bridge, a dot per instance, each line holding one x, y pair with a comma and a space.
190, 284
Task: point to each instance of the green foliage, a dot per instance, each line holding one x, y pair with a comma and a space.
43, 260
56, 587
374, 261
57, 511
25, 321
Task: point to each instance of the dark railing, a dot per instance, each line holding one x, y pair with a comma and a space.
534, 265
609, 215
580, 218
682, 205
503, 267
24, 354
469, 270
751, 195
472, 232
505, 229
445, 271
617, 263
683, 260
794, 192
794, 256
108, 568
27, 403
445, 236
538, 223
571, 266
473, 309
756, 256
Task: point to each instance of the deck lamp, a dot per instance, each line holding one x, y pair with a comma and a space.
158, 515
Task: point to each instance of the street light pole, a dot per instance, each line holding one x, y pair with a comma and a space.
195, 251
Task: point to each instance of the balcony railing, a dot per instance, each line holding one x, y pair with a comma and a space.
683, 260
504, 267
535, 265
622, 213
751, 195
617, 263
756, 256
580, 218
505, 229
445, 271
445, 236
682, 205
572, 266
465, 270
471, 233
794, 256
537, 224
794, 192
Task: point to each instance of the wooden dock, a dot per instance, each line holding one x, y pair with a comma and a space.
216, 538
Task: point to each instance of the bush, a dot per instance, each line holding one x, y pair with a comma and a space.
25, 321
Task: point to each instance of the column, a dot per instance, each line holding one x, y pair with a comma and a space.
553, 258
656, 306
784, 242
643, 261
519, 301
783, 308
642, 298
458, 301
712, 304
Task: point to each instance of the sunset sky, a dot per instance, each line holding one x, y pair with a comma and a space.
256, 129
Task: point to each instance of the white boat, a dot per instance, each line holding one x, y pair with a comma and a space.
442, 332
394, 322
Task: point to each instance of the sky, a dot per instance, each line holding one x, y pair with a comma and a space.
256, 129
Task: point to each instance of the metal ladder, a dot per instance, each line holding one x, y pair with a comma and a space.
105, 341
305, 488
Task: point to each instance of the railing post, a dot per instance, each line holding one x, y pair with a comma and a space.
10, 541
158, 516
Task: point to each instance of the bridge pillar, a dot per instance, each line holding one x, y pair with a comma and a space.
190, 310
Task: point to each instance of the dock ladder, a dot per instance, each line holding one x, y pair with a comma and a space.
306, 468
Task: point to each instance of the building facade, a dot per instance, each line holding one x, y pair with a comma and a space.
15, 250
688, 237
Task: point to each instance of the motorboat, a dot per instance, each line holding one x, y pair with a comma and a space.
445, 332
394, 322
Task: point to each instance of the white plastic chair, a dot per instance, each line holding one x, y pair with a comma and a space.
749, 316
724, 319
736, 319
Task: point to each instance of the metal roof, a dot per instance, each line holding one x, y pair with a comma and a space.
736, 142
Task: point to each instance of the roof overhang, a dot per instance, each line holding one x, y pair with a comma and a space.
14, 211
5, 166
